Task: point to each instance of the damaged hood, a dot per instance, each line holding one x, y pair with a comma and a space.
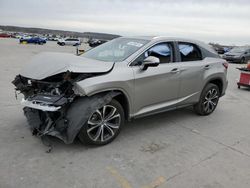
48, 64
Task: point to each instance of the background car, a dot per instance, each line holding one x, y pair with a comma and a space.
69, 41
238, 55
5, 35
34, 40
95, 42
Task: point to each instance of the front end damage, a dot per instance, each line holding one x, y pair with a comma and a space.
53, 107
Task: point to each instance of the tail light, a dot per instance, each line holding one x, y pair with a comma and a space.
225, 64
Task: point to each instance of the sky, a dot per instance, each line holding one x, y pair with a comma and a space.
222, 21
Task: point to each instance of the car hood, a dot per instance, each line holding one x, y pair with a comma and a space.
48, 64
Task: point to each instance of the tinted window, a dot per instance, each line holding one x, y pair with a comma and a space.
189, 52
163, 51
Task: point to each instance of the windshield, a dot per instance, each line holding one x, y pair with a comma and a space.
238, 50
116, 50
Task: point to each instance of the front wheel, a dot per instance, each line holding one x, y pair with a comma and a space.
103, 125
208, 100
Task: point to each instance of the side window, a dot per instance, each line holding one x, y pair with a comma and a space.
163, 51
189, 52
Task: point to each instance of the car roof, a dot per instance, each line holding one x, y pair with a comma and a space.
164, 38
159, 38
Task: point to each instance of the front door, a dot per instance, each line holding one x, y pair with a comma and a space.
157, 87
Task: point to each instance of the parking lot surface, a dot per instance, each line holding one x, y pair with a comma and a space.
170, 150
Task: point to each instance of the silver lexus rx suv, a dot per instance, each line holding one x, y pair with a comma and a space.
92, 95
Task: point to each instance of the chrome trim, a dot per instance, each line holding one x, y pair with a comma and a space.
38, 106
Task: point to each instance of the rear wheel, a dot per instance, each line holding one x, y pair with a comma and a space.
103, 125
243, 60
208, 100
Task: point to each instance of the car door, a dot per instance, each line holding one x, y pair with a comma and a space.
68, 41
157, 87
192, 70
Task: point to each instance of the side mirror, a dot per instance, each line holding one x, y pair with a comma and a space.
150, 61
246, 52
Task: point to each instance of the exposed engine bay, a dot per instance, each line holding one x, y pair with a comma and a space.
52, 107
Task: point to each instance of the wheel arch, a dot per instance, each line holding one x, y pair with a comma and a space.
122, 98
217, 81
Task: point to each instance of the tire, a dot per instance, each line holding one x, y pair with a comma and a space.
62, 44
92, 132
243, 60
208, 100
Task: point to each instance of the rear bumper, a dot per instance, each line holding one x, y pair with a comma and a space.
224, 88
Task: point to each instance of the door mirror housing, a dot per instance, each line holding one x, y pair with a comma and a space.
150, 61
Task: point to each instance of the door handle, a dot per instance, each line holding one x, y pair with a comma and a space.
175, 70
207, 67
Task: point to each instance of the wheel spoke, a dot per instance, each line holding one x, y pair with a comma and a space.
206, 107
92, 128
113, 117
214, 94
99, 113
211, 107
102, 134
97, 135
209, 94
113, 126
111, 113
104, 111
110, 130
91, 122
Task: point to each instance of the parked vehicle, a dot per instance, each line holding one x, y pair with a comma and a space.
238, 55
69, 41
53, 39
5, 35
91, 96
34, 40
95, 42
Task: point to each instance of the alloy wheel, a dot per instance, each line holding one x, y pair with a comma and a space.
211, 100
103, 123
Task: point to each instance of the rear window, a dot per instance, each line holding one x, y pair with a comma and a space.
189, 52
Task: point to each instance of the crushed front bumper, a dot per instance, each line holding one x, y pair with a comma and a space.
64, 120
50, 103
39, 106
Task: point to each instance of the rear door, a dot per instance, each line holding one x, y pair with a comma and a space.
157, 87
192, 71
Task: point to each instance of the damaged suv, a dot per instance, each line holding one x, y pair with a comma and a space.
92, 95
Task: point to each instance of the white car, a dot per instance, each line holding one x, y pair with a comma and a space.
69, 41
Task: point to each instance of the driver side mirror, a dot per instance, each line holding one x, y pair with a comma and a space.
150, 61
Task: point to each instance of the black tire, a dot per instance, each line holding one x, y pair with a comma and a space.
208, 100
62, 44
88, 133
243, 60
